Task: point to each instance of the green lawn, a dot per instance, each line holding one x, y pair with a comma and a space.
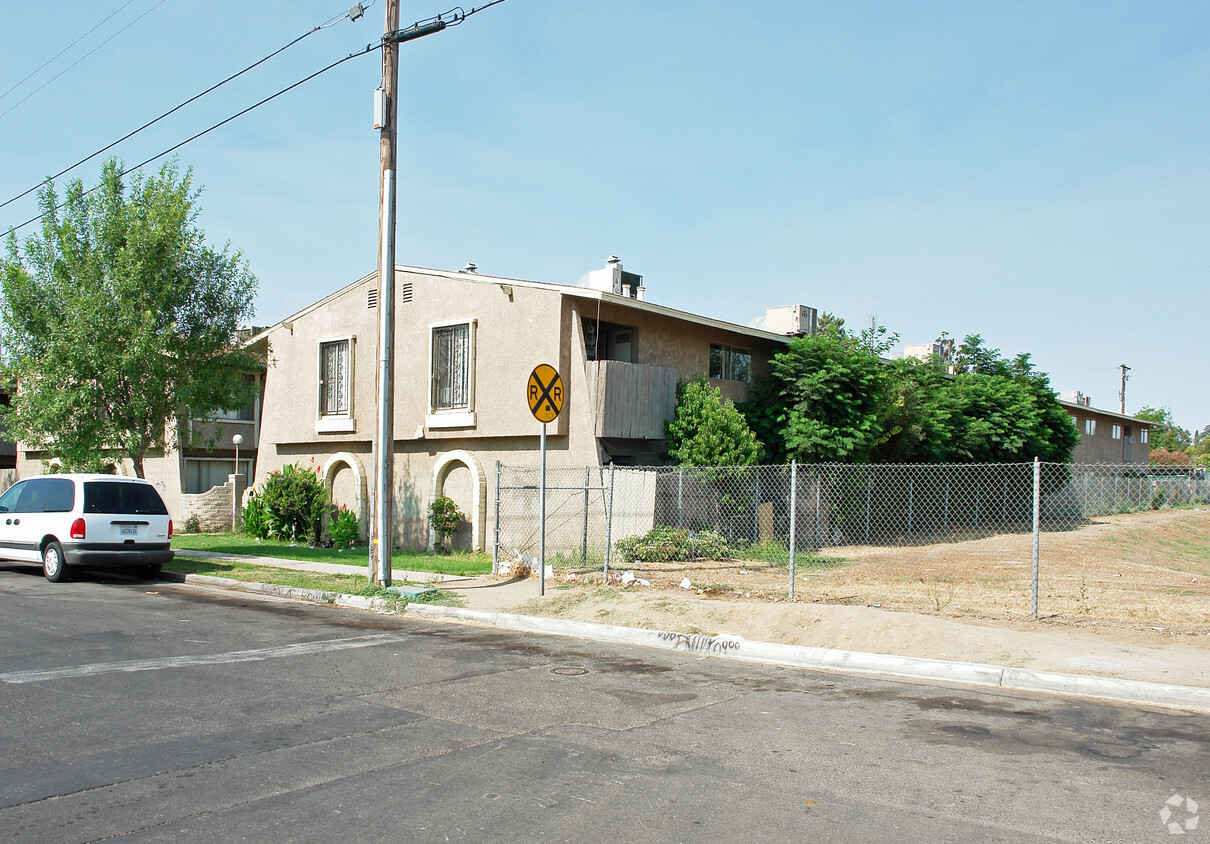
345, 584
238, 543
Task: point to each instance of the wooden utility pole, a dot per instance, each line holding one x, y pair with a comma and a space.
1122, 394
382, 525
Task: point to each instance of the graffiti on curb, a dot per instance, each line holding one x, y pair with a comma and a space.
701, 644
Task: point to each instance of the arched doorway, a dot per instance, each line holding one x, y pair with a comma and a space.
345, 478
459, 476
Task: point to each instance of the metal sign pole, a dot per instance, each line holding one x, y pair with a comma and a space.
542, 517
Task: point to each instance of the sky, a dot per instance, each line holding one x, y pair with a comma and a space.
1035, 173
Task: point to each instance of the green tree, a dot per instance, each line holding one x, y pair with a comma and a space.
117, 315
831, 397
826, 392
708, 430
1164, 431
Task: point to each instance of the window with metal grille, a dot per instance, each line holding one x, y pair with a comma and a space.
334, 378
451, 367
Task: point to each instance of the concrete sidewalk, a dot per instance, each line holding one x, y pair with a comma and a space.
488, 601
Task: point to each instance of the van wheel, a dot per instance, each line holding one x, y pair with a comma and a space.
53, 564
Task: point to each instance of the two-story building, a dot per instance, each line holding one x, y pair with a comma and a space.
1106, 436
464, 347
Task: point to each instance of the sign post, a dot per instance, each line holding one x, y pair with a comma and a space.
544, 394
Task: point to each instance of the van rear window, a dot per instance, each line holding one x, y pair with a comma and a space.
118, 498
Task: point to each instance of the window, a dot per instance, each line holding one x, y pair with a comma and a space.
1090, 427
1116, 432
335, 377
608, 341
247, 413
123, 498
729, 363
47, 495
202, 474
1143, 435
452, 375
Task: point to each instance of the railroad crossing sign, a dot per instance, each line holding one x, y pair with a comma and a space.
545, 393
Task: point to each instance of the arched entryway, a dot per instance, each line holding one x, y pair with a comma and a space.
345, 478
458, 475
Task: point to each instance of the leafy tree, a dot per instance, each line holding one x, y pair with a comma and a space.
1164, 431
829, 391
708, 430
117, 315
830, 397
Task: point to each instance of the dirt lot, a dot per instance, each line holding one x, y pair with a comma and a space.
1127, 596
1142, 569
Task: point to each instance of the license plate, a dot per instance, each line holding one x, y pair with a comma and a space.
130, 530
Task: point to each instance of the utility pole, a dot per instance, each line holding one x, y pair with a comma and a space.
1122, 394
382, 524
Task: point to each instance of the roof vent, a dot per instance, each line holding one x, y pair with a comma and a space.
470, 268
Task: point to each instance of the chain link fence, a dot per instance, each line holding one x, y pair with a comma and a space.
786, 522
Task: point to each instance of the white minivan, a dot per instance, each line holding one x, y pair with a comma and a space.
75, 520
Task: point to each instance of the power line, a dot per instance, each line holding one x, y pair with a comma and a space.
35, 72
82, 58
368, 49
456, 15
177, 108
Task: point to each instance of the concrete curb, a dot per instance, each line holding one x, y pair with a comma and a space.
736, 647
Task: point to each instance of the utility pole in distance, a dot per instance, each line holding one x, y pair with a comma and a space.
1122, 394
386, 112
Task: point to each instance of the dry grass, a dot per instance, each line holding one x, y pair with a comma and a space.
1139, 570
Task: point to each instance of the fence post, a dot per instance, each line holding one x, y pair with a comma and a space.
584, 547
609, 525
909, 532
496, 543
1033, 606
793, 518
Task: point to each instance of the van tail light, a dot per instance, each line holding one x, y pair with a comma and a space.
170, 528
77, 529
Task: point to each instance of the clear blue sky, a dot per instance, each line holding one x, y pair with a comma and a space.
1038, 173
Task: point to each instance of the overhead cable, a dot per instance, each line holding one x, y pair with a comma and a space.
368, 49
82, 58
174, 109
35, 72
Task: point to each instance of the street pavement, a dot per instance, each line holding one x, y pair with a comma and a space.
162, 711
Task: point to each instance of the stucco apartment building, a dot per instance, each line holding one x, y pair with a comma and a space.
465, 345
1106, 436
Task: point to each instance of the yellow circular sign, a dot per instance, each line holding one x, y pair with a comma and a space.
544, 393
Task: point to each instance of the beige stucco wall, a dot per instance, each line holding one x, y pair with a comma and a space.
516, 327
1101, 447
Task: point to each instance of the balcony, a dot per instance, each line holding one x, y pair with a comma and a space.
631, 400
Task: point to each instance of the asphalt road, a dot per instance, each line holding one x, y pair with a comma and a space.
162, 712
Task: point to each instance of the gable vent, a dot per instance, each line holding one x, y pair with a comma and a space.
405, 292
372, 297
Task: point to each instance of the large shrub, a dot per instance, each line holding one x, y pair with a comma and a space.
445, 517
289, 506
668, 544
